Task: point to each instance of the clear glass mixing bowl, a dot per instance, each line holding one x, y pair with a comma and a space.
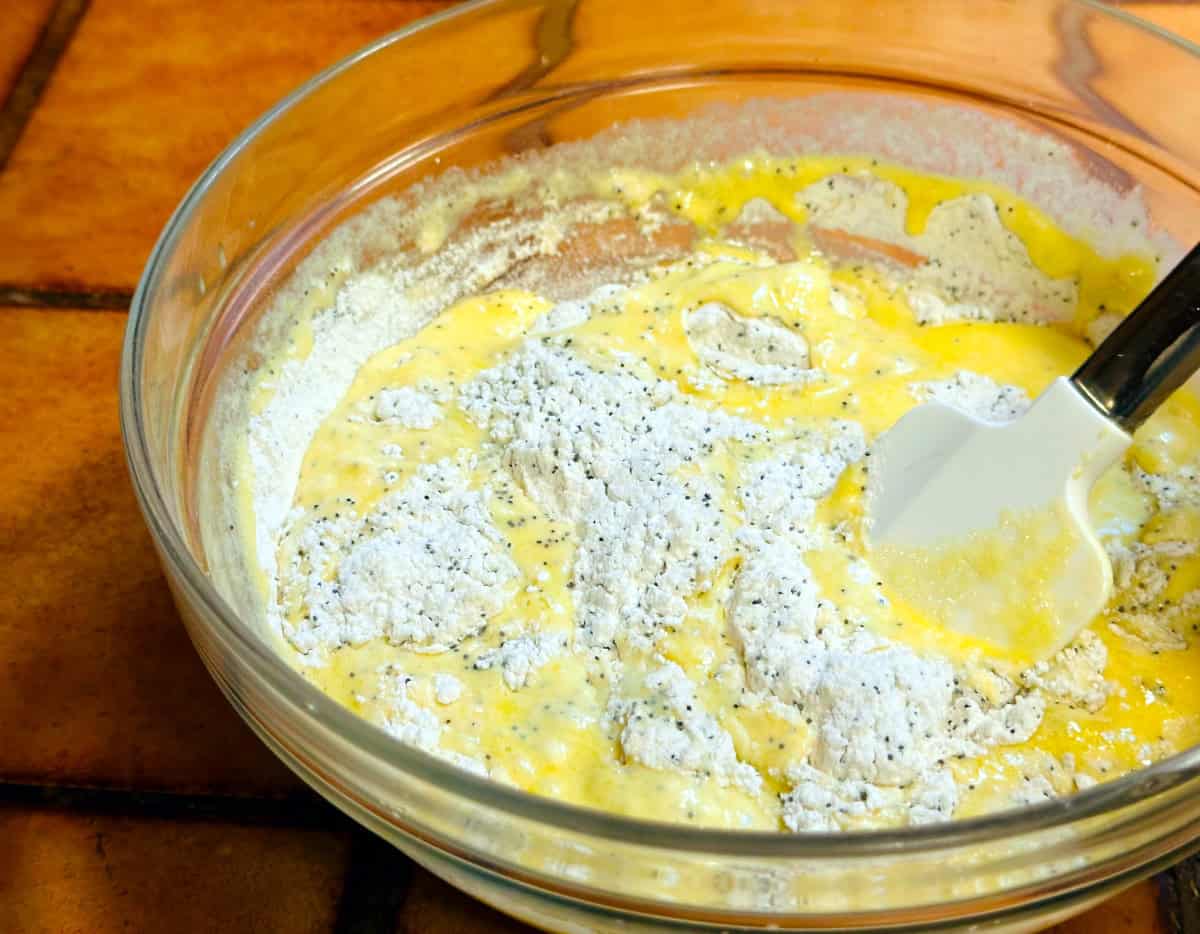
493, 78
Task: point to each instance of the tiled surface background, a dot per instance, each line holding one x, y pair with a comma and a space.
131, 797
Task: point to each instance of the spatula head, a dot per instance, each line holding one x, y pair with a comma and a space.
984, 528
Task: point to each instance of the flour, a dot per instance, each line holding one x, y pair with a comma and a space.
887, 723
761, 226
446, 688
779, 493
415, 725
520, 657
885, 720
372, 308
979, 270
424, 569
604, 299
859, 204
1171, 491
665, 727
602, 450
969, 266
774, 604
1034, 790
1076, 675
1140, 575
864, 733
408, 407
562, 317
975, 394
817, 802
761, 351
772, 612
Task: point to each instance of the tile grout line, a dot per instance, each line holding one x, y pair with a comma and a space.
375, 887
80, 299
35, 74
17, 109
16, 112
1178, 891
378, 875
303, 811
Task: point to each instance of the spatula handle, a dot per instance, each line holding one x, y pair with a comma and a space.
1151, 353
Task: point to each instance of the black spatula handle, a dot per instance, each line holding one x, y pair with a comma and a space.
1151, 353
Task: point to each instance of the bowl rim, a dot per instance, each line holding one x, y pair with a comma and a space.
308, 702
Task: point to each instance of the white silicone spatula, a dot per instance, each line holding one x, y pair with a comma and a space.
944, 483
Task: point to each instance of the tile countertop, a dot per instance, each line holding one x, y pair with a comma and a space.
131, 796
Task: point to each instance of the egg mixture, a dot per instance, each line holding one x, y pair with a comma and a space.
610, 549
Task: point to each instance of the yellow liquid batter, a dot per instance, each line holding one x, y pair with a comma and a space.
548, 737
995, 584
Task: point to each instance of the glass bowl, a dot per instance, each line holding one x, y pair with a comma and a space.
495, 78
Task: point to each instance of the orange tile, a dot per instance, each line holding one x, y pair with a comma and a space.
1134, 911
433, 907
98, 680
118, 138
70, 873
19, 30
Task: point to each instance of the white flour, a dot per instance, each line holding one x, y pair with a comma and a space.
1075, 675
416, 725
424, 569
520, 657
976, 267
446, 688
1144, 615
761, 351
665, 727
408, 407
975, 395
602, 450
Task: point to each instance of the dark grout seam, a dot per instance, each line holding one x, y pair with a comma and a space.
303, 810
101, 299
56, 35
376, 884
1179, 897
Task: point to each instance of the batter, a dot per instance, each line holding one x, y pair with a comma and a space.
609, 549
